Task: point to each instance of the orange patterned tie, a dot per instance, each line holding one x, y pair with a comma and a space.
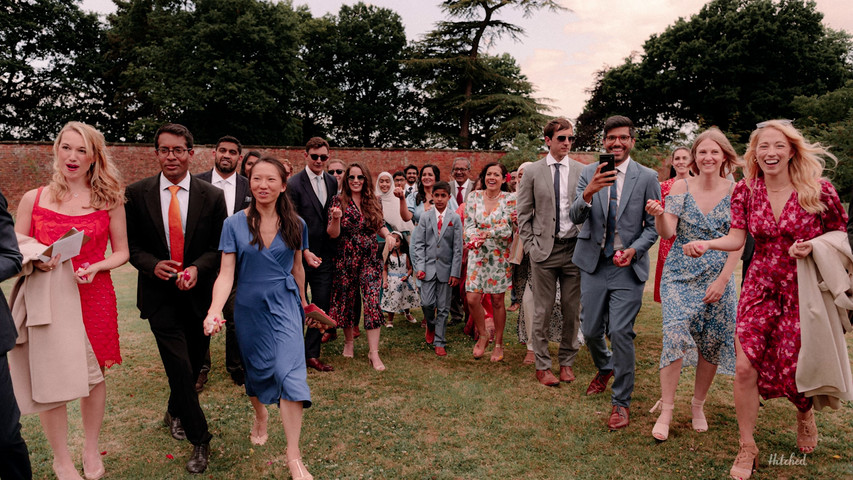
176, 231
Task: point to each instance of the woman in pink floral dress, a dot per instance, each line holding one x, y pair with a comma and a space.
783, 202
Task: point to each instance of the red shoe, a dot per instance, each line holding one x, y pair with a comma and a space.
618, 418
329, 336
440, 351
430, 336
599, 383
567, 375
547, 378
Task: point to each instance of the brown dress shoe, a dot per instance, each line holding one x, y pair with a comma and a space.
599, 383
175, 427
547, 378
316, 364
198, 462
618, 418
567, 375
199, 383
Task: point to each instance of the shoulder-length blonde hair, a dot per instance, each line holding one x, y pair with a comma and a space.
805, 166
104, 178
714, 134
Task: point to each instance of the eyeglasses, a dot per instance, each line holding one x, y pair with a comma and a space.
460, 169
783, 121
338, 171
621, 138
314, 156
178, 151
360, 178
563, 138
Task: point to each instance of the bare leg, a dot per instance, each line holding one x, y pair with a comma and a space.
746, 396
55, 425
373, 349
259, 434
669, 376
92, 411
475, 309
348, 345
291, 419
499, 312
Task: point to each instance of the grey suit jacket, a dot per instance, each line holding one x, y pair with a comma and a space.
439, 255
242, 193
636, 227
537, 214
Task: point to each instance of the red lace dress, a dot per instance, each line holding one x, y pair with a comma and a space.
97, 299
665, 244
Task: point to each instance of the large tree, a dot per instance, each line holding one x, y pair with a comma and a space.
454, 73
354, 93
733, 64
219, 66
49, 67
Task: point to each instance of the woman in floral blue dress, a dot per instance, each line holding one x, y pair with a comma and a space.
698, 295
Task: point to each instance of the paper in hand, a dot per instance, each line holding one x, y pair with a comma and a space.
68, 246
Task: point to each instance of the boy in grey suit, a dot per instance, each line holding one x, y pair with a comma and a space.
436, 253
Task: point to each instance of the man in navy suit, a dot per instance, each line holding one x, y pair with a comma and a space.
311, 191
235, 187
611, 252
173, 225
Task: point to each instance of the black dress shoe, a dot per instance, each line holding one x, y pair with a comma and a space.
175, 427
238, 377
198, 462
199, 383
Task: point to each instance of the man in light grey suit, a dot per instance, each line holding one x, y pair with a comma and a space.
547, 191
436, 253
616, 234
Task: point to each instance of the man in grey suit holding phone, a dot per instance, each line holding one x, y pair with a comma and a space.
547, 191
616, 234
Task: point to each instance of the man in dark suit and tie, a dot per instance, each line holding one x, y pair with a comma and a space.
412, 173
547, 191
14, 458
311, 191
612, 254
226, 158
173, 225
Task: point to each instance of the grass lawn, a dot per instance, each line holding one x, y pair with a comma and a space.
450, 418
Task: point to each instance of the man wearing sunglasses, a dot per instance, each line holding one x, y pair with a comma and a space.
311, 191
548, 188
336, 168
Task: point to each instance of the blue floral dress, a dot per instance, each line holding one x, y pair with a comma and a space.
689, 325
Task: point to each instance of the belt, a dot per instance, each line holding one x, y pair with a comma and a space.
565, 240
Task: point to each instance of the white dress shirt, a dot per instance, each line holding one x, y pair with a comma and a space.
318, 183
228, 186
567, 228
621, 170
166, 200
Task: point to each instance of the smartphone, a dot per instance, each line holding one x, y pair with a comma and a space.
609, 161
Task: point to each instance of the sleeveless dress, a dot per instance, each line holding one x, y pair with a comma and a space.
268, 315
690, 326
665, 243
97, 299
399, 295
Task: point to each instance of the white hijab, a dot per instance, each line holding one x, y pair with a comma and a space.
391, 206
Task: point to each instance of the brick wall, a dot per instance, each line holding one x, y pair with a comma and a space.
24, 166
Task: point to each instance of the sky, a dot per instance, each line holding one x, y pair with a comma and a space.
561, 51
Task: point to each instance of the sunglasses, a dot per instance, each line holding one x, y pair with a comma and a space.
314, 156
563, 138
338, 171
360, 178
783, 121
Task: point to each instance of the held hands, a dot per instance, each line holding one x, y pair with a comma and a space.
696, 248
654, 207
311, 260
598, 182
454, 281
47, 266
391, 241
623, 258
800, 249
336, 213
212, 324
398, 192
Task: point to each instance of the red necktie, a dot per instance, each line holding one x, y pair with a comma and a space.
439, 222
459, 194
176, 231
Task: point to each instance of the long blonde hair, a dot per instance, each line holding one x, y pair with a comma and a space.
104, 178
715, 135
805, 167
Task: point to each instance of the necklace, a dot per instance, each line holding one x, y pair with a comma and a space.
486, 194
780, 189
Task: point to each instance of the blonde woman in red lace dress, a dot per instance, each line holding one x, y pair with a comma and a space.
86, 193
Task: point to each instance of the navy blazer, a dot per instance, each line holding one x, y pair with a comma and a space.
146, 238
242, 193
636, 227
10, 265
316, 216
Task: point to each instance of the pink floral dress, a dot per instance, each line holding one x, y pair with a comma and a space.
489, 270
768, 316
